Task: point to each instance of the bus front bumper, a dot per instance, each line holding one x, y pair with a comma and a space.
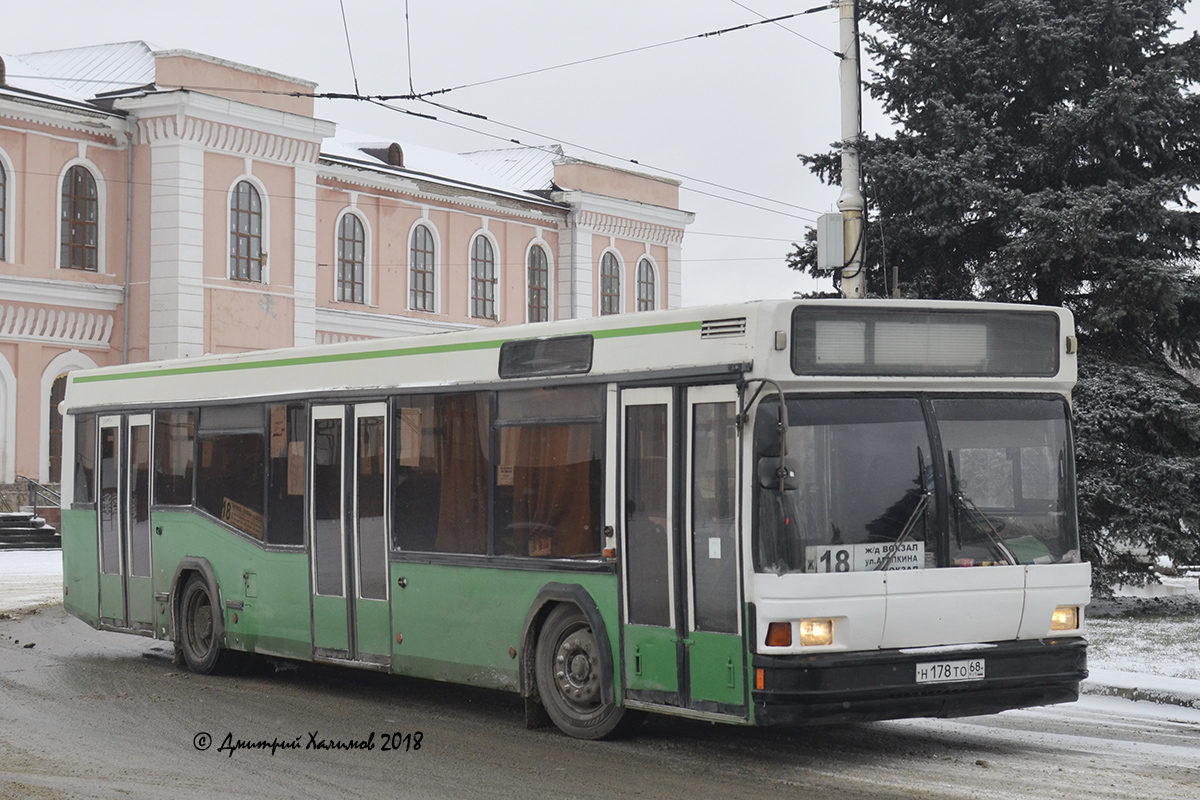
879, 685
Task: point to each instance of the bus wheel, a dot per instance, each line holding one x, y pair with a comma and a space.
197, 638
570, 677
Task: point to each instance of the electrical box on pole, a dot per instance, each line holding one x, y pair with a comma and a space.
831, 248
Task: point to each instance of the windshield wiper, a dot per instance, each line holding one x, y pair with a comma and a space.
967, 503
906, 531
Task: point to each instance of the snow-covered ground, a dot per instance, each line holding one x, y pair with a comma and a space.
29, 578
1153, 630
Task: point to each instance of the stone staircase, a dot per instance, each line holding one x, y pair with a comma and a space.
29, 527
22, 530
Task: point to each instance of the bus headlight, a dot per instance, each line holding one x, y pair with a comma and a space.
814, 632
1065, 618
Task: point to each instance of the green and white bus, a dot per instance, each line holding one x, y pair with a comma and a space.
770, 513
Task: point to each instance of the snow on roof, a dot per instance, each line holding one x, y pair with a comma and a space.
22, 76
91, 71
419, 159
529, 167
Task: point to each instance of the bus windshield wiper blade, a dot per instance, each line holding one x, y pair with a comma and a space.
967, 503
904, 533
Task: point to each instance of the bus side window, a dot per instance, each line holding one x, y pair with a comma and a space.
549, 472
285, 482
174, 440
231, 469
85, 459
548, 490
442, 463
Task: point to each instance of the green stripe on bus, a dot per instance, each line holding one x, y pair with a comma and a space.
298, 361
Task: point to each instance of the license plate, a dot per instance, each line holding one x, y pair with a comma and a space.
950, 671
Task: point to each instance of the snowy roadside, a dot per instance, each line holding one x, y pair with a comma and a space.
1143, 646
30, 578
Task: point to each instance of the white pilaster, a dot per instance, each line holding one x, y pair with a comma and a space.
176, 250
674, 272
305, 288
574, 271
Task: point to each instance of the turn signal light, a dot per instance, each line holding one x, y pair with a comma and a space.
779, 634
1065, 618
814, 632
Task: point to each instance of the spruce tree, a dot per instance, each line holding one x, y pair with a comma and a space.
1047, 151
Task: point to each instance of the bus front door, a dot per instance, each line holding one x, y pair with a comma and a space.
350, 609
682, 628
126, 589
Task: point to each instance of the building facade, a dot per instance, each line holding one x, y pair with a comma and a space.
165, 204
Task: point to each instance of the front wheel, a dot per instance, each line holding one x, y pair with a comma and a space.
198, 630
570, 678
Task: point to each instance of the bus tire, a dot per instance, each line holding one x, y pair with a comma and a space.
198, 637
571, 677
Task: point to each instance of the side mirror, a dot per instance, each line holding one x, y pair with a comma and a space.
772, 470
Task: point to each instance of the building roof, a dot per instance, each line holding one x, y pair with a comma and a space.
22, 77
84, 76
369, 152
531, 168
88, 72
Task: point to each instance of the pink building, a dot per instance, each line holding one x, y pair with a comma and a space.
164, 204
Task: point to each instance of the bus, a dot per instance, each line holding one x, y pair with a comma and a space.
771, 513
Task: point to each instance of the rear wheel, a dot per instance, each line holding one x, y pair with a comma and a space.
571, 677
198, 629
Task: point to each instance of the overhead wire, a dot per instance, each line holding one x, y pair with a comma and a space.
630, 51
636, 162
424, 97
781, 26
349, 50
408, 47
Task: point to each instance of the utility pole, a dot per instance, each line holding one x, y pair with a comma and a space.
850, 202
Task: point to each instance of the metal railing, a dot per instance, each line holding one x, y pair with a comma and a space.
39, 495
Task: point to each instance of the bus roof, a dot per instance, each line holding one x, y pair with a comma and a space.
733, 340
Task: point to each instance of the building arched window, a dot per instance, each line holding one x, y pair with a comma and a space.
645, 285
539, 285
351, 260
483, 279
421, 270
246, 254
610, 284
3, 208
80, 238
58, 393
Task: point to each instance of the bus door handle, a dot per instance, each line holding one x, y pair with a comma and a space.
402, 582
683, 641
158, 530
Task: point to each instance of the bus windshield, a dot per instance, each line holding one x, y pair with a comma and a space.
881, 483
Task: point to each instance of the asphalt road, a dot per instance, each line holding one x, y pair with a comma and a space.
86, 714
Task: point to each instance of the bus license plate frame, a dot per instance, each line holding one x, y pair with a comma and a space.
958, 671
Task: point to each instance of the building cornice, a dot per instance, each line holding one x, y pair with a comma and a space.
627, 219
68, 117
228, 126
427, 189
99, 296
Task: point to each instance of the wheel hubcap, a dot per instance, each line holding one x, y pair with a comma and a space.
576, 670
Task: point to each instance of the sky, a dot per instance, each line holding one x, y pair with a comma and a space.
727, 115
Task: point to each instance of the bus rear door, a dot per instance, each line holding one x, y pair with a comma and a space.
682, 638
126, 590
350, 610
